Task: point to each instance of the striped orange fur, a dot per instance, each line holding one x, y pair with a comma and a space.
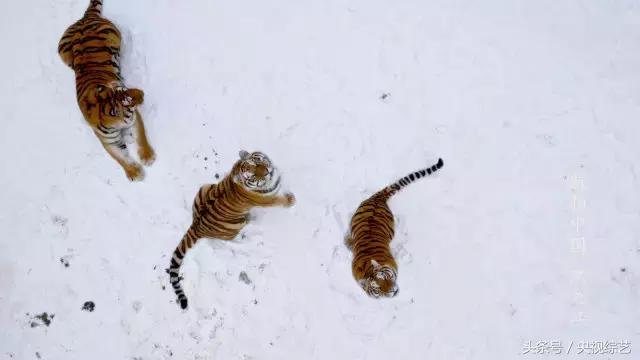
371, 231
221, 210
91, 47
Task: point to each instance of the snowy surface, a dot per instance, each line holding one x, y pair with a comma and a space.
533, 105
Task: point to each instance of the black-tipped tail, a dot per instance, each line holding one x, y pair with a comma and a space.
398, 185
186, 243
174, 277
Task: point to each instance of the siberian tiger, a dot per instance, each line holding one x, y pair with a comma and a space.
371, 231
91, 47
221, 210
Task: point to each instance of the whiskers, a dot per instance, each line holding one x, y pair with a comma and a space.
269, 188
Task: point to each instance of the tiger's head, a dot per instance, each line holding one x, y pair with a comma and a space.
380, 280
111, 103
255, 172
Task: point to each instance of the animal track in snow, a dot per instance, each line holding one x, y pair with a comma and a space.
43, 319
244, 278
89, 306
57, 226
137, 306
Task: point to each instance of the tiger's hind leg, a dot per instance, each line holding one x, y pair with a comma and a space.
119, 152
67, 58
65, 45
145, 151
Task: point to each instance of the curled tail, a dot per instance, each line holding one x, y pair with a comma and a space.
186, 243
95, 8
392, 189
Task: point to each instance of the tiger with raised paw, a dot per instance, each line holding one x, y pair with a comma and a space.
371, 231
91, 47
221, 210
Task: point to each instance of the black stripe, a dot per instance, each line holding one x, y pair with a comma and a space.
91, 26
98, 63
84, 40
106, 130
97, 49
93, 74
108, 30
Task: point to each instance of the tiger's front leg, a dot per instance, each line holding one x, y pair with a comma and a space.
288, 200
145, 151
119, 152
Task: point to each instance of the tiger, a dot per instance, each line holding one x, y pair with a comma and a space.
371, 231
221, 210
91, 47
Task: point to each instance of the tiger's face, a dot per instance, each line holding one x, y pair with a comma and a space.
113, 104
255, 172
380, 281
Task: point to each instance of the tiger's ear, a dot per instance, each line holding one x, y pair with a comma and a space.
362, 283
375, 264
243, 154
137, 95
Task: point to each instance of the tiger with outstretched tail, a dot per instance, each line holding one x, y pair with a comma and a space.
221, 210
91, 47
371, 231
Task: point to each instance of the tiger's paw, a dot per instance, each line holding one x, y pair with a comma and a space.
147, 156
290, 200
135, 172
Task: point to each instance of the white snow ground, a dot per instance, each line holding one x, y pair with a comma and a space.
518, 97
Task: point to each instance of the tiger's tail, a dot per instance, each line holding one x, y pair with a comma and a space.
95, 8
392, 189
189, 239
